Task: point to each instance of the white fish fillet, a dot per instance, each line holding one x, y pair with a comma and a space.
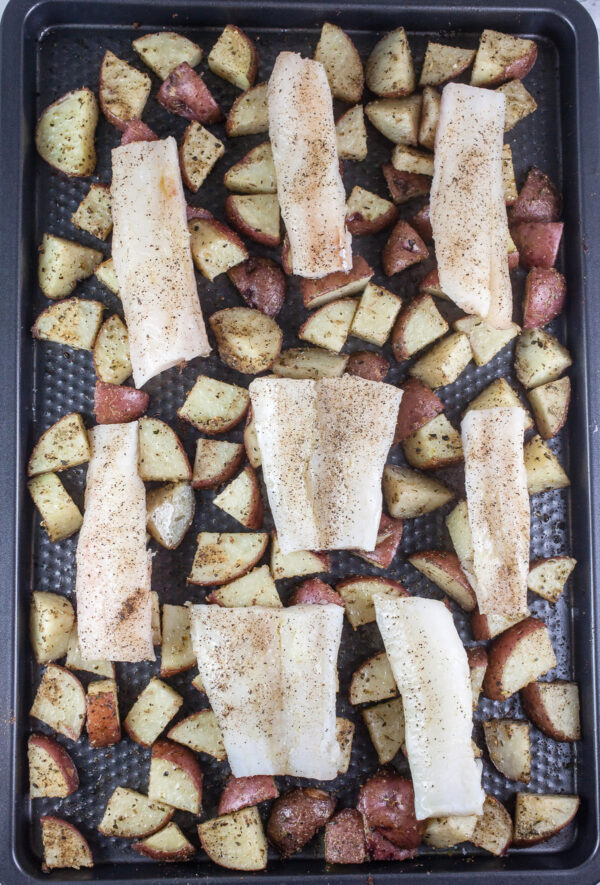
153, 263
430, 667
498, 506
323, 446
113, 565
271, 679
468, 212
309, 185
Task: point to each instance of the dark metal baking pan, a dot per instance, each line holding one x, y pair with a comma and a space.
51, 46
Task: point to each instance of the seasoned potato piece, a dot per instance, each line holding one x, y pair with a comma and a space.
408, 159
242, 499
368, 213
161, 456
111, 351
213, 406
408, 494
234, 58
376, 315
255, 588
198, 152
215, 247
64, 846
63, 445
337, 53
72, 322
550, 404
329, 326
443, 63
436, 444
249, 113
389, 71
93, 213
430, 115
539, 358
509, 746
223, 556
256, 216
396, 118
248, 340
154, 708
485, 341
547, 577
254, 173
63, 264
500, 395
444, 362
185, 93
164, 51
131, 815
170, 511
59, 701
236, 841
309, 362
51, 619
64, 135
105, 272
216, 461
419, 324
502, 57
519, 103
538, 817
385, 723
351, 134
373, 681
508, 175
543, 468
60, 515
123, 91
177, 654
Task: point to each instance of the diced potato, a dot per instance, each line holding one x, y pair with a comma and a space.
161, 456
501, 57
444, 362
249, 114
547, 577
130, 814
59, 702
389, 70
436, 444
63, 445
213, 406
309, 362
64, 846
105, 272
111, 351
509, 746
177, 654
254, 173
51, 618
216, 461
376, 315
430, 116
242, 499
385, 723
409, 494
236, 841
60, 515
368, 213
446, 832
419, 324
223, 556
443, 63
344, 730
408, 159
164, 51
329, 325
64, 135
519, 103
540, 358
73, 322
63, 264
170, 511
255, 588
539, 816
156, 631
234, 58
500, 395
397, 118
508, 176
373, 681
543, 468
358, 592
485, 341
201, 733
248, 340
153, 710
298, 564
123, 90
75, 661
550, 404
93, 213
215, 247
337, 53
198, 152
351, 134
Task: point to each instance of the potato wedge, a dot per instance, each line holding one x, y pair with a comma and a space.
344, 730
500, 395
93, 214
430, 116
389, 538
345, 841
251, 441
368, 365
539, 358
519, 656
539, 200
103, 722
368, 213
309, 362
478, 661
52, 773
403, 249
486, 627
422, 224
386, 800
175, 777
314, 591
444, 569
234, 57
519, 103
236, 841
446, 832
493, 830
408, 494
508, 176
170, 512
130, 815
550, 404
329, 325
430, 284
509, 745
418, 406
223, 556
51, 619
74, 322
502, 57
63, 445
545, 296
105, 273
61, 517
63, 263
543, 468
298, 564
123, 91
185, 93
538, 817
118, 405
137, 130
154, 708
337, 53
296, 816
255, 216
434, 445
389, 71
201, 734
213, 406
547, 577
64, 846
75, 661
59, 702
177, 654
351, 134
357, 594
405, 186
242, 499
64, 135
443, 63
419, 324
215, 247
215, 463
249, 114
553, 707
537, 243
161, 456
444, 362
255, 588
396, 118
485, 341
260, 283
254, 173
248, 340
316, 293
409, 159
198, 152
168, 845
373, 681
385, 724
165, 50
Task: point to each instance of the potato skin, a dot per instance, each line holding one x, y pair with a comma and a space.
137, 130
499, 651
405, 186
545, 296
538, 200
240, 792
314, 591
345, 840
403, 249
261, 283
296, 817
537, 242
387, 801
534, 708
114, 404
358, 225
422, 224
418, 406
369, 365
185, 93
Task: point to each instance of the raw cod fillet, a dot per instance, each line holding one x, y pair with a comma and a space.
271, 679
430, 667
468, 212
498, 507
152, 258
323, 446
113, 565
309, 185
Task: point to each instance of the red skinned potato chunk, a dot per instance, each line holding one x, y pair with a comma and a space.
419, 405
261, 283
404, 186
537, 242
389, 538
240, 792
64, 846
185, 93
52, 773
539, 200
381, 848
387, 801
517, 657
345, 840
403, 249
545, 295
314, 591
137, 130
369, 365
118, 405
422, 224
296, 817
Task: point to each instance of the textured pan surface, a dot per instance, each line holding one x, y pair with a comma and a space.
64, 381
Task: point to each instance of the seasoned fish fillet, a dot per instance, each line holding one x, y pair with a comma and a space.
271, 679
498, 505
309, 185
153, 263
113, 565
467, 208
323, 446
430, 667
